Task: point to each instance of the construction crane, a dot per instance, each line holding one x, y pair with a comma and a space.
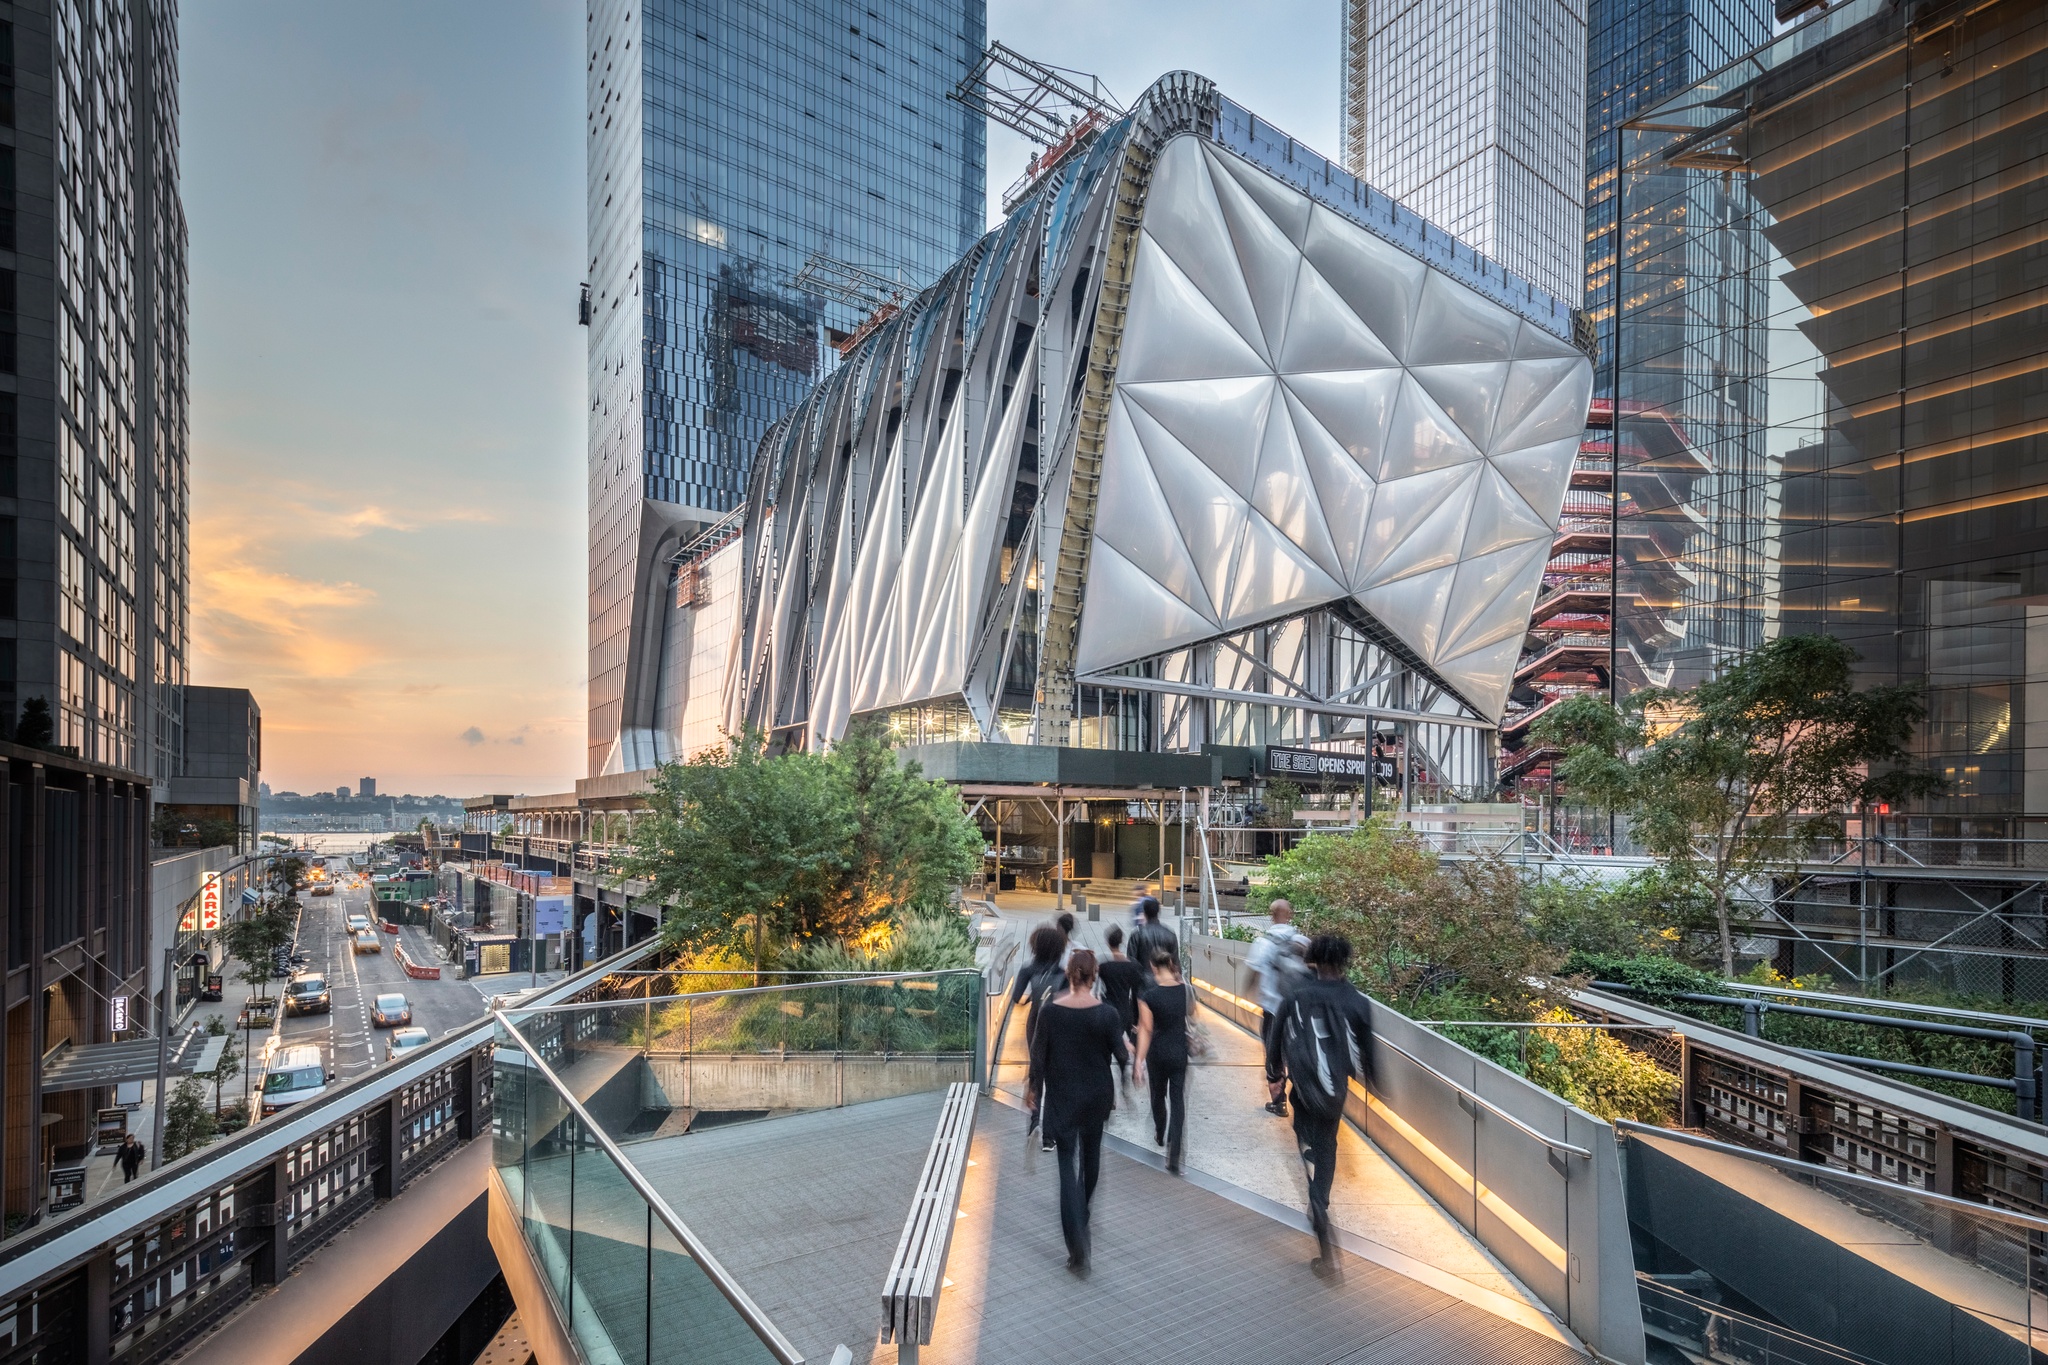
1061, 110
853, 285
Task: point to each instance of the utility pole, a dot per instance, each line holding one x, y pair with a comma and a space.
163, 1057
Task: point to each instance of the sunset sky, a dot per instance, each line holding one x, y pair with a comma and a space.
386, 213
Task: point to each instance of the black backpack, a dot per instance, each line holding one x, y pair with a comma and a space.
1316, 1042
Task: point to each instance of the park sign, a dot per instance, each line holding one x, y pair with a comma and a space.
204, 915
117, 1014
1312, 767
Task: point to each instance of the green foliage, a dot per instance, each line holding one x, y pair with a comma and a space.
252, 939
1240, 933
1417, 925
1660, 980
1598, 1072
230, 1057
912, 943
1727, 780
290, 872
189, 1122
753, 849
1645, 912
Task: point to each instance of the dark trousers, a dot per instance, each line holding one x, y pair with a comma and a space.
1317, 1139
1276, 1064
1080, 1158
1169, 1082
128, 1173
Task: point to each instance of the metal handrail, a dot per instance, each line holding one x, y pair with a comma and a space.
1554, 1144
1878, 1003
1988, 1212
870, 978
742, 1303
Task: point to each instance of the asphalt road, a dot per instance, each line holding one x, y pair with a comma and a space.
355, 979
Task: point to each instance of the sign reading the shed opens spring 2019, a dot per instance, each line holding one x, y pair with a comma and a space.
1312, 767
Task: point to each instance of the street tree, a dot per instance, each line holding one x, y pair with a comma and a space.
1727, 781
753, 850
253, 939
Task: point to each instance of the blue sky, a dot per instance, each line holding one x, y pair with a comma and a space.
386, 213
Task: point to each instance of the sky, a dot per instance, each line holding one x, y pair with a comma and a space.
385, 203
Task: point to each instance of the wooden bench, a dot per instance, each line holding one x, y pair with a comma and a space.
910, 1293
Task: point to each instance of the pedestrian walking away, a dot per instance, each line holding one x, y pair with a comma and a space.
1275, 967
130, 1157
1326, 1032
1121, 980
1163, 1055
1150, 939
1071, 1092
1145, 898
1065, 924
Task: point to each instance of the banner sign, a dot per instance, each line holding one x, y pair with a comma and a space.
1314, 766
209, 904
117, 1014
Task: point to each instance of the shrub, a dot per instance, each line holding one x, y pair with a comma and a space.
189, 1122
1597, 1072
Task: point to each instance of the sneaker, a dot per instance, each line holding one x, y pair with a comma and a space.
1277, 1108
1047, 1147
1326, 1267
1159, 1139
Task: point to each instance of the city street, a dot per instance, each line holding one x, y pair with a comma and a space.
355, 979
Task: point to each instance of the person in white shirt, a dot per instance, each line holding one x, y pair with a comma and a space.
1276, 965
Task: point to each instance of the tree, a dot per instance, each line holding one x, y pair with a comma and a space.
1419, 927
753, 849
1726, 781
34, 731
253, 939
188, 1122
230, 1057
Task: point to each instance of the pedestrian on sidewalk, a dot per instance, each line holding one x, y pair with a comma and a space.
1064, 922
1121, 980
1325, 1030
1150, 939
1163, 1055
1038, 981
1275, 967
129, 1157
1071, 1093
1145, 898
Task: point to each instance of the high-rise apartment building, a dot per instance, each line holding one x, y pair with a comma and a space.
366, 787
728, 145
93, 381
1471, 113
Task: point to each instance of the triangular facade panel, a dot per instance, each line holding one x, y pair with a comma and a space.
1222, 421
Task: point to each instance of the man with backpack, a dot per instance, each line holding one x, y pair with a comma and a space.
1275, 964
1325, 1038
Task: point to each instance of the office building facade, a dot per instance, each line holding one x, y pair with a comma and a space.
1471, 113
728, 146
95, 410
1875, 175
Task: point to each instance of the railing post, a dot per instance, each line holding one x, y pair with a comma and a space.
272, 1253
389, 1179
1753, 1018
2025, 1098
99, 1307
981, 1076
469, 1096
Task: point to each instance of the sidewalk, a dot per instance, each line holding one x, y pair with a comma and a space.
1231, 1137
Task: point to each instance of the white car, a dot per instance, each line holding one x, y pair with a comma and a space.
403, 1040
358, 923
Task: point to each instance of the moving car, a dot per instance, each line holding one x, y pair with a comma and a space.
389, 1011
307, 994
357, 923
404, 1040
291, 1075
366, 941
323, 888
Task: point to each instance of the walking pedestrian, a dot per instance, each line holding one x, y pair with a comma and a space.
1121, 980
1071, 1093
1038, 981
1144, 898
1150, 939
1064, 922
1275, 968
1326, 1031
130, 1156
1163, 1055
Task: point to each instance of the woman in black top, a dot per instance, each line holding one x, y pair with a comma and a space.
1163, 1054
1121, 979
1072, 1094
1040, 979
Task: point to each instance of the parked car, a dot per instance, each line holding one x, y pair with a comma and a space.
390, 1011
307, 994
404, 1040
291, 1075
366, 941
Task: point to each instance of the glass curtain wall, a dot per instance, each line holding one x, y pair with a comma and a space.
1832, 393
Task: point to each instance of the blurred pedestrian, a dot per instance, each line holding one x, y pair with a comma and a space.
1144, 898
1038, 981
1121, 980
1275, 968
1326, 1032
1065, 924
1071, 1093
1150, 939
1163, 1054
130, 1156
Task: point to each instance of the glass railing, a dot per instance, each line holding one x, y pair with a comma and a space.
581, 1085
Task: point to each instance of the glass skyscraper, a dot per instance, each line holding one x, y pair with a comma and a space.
1469, 113
93, 398
731, 142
